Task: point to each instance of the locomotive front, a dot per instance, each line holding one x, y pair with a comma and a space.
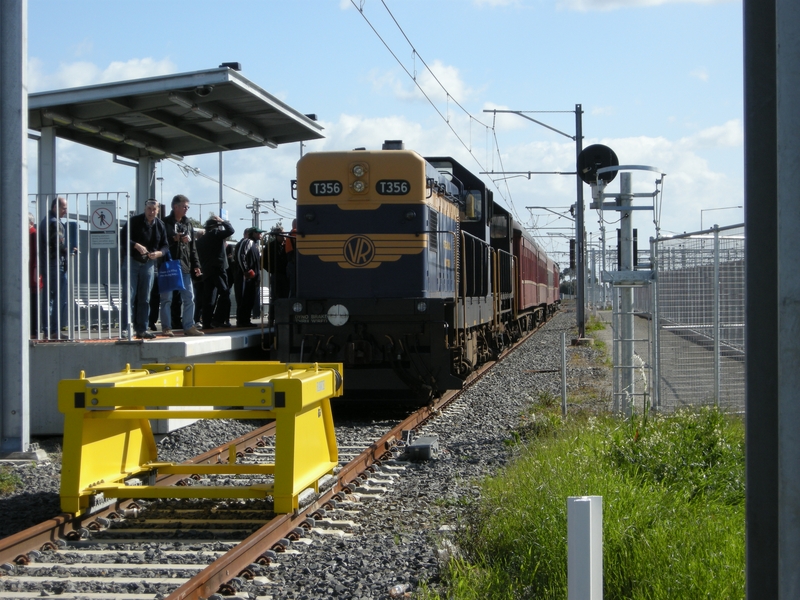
376, 233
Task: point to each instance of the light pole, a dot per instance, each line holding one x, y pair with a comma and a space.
709, 209
580, 266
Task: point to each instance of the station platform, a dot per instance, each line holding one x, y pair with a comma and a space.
52, 361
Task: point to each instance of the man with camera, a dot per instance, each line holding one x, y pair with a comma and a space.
181, 247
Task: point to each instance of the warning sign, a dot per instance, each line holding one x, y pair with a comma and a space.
103, 224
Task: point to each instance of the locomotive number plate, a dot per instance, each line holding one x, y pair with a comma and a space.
393, 187
325, 188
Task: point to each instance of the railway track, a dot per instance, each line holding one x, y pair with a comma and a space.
182, 550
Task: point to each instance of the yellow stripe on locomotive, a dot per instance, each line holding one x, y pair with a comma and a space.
362, 251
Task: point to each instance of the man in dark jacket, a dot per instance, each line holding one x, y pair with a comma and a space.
53, 249
145, 238
181, 247
214, 262
248, 276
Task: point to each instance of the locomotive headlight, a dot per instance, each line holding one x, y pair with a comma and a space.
359, 186
422, 306
359, 170
297, 307
338, 315
411, 215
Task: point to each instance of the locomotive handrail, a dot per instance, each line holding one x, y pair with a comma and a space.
496, 287
514, 279
477, 241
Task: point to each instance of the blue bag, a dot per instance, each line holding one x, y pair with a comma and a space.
170, 276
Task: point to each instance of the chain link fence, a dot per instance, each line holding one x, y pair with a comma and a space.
688, 324
698, 319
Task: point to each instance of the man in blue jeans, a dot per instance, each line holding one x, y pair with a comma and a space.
145, 238
180, 234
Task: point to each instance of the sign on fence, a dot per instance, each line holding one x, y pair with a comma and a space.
102, 224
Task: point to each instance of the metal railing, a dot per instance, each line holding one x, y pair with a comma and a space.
76, 281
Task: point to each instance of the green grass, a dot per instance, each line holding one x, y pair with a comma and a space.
593, 324
673, 511
9, 481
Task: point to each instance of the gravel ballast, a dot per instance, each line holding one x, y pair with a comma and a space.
398, 538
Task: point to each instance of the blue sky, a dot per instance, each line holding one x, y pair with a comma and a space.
660, 82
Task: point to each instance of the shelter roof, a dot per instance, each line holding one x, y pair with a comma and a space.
172, 116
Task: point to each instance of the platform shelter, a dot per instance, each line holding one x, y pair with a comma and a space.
142, 122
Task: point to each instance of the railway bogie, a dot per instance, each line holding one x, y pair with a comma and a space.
407, 271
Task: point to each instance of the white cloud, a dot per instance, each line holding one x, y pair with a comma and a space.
137, 68
727, 135
700, 73
698, 167
436, 83
604, 5
82, 73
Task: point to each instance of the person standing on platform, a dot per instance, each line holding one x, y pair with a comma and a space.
35, 283
53, 245
248, 279
231, 273
145, 238
214, 263
181, 247
290, 245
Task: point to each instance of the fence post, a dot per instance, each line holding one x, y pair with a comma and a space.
656, 378
716, 317
585, 548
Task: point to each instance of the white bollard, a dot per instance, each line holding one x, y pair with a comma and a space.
585, 548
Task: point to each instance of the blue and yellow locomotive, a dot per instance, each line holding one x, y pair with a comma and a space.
406, 271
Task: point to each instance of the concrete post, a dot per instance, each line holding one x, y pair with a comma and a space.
14, 301
585, 548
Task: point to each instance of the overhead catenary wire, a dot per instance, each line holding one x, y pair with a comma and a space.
415, 53
188, 169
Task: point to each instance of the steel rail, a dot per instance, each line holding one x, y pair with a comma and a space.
234, 562
15, 547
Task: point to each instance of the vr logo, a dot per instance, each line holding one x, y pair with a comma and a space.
359, 251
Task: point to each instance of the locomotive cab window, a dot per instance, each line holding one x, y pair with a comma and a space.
499, 227
473, 206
